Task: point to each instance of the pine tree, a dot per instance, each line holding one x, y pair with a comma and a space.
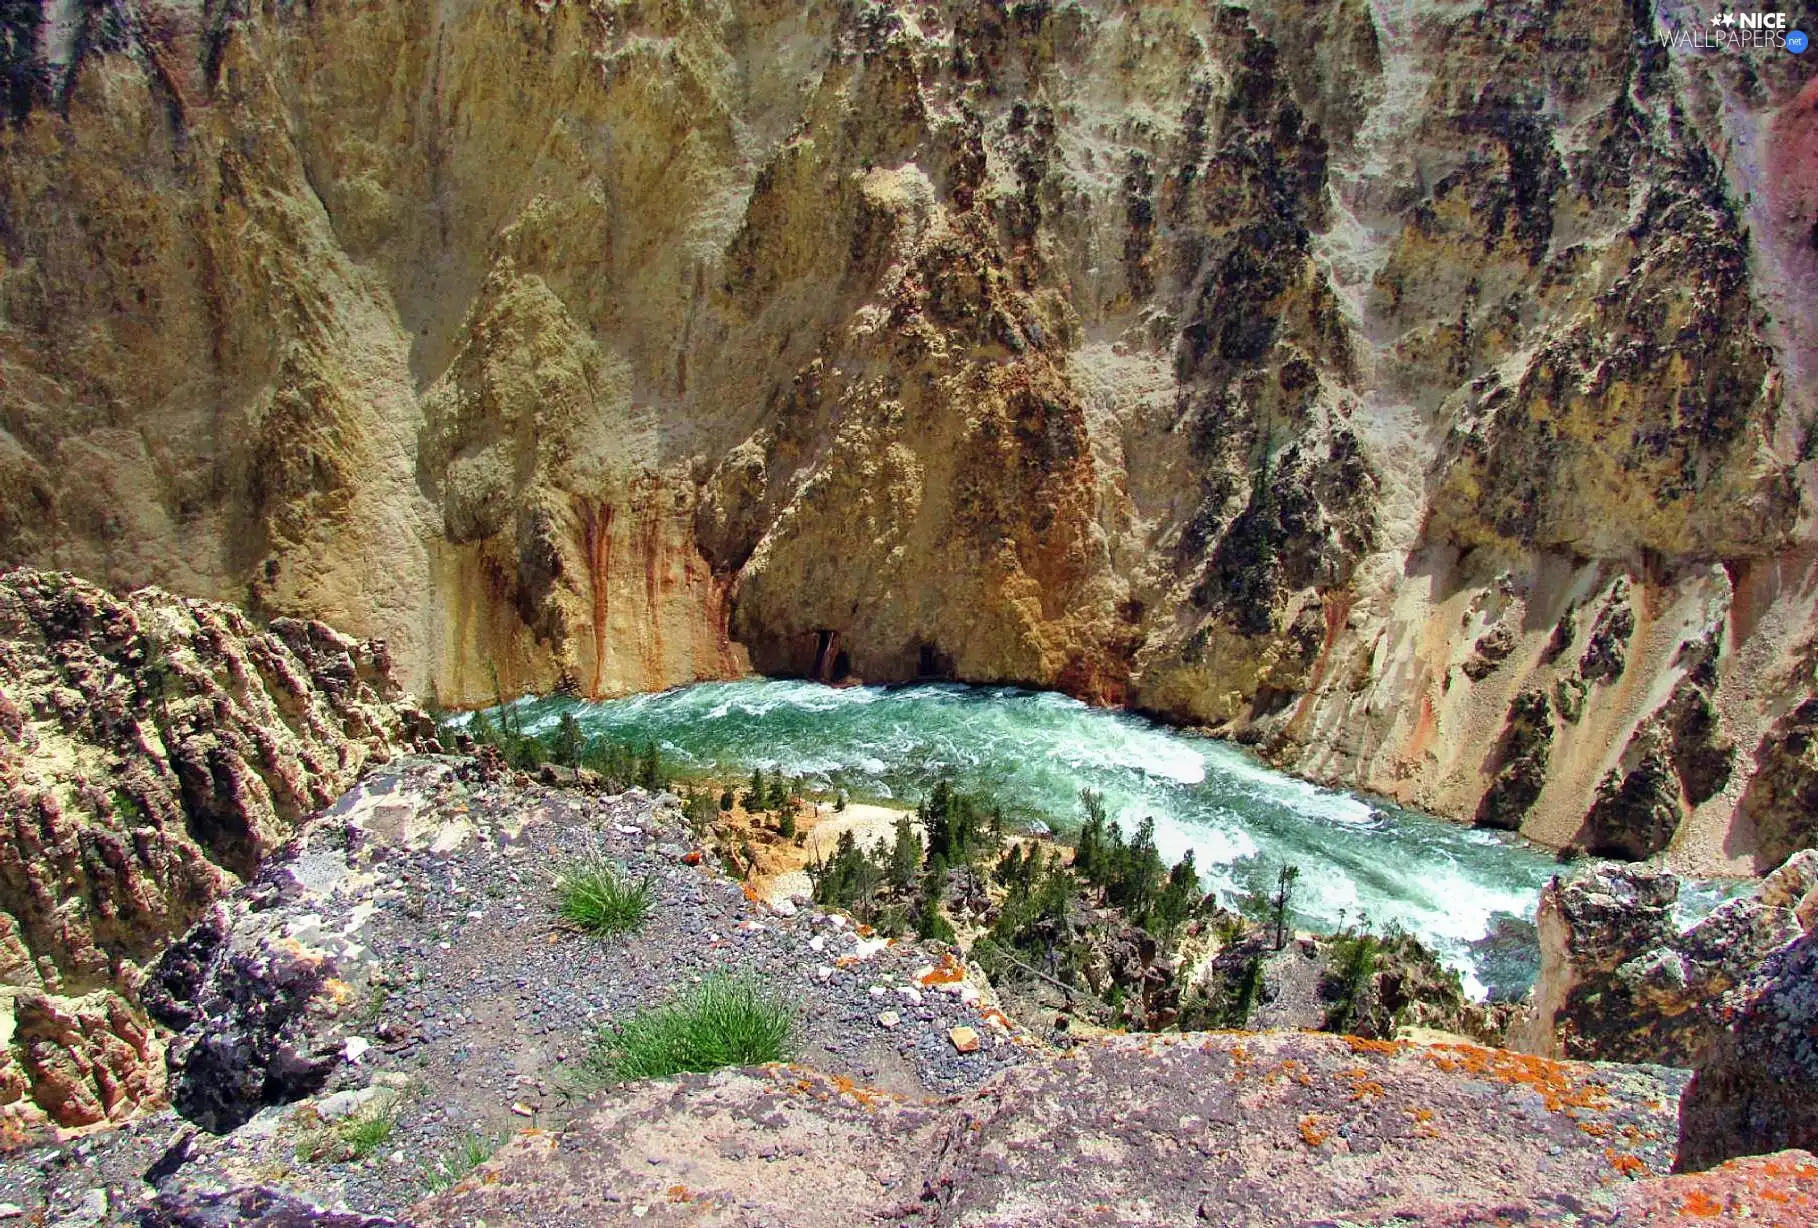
568, 741
1010, 867
754, 796
930, 923
1087, 853
1141, 874
650, 769
905, 854
1282, 901
1179, 895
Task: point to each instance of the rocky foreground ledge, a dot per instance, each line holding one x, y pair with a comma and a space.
399, 960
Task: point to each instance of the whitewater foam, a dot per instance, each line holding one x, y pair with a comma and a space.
1034, 752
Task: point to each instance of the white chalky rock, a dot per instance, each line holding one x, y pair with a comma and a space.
888, 1019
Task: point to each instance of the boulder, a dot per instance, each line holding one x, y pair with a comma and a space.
1217, 1128
1757, 1088
255, 1207
1618, 980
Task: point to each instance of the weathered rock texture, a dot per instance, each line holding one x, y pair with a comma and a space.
1757, 1089
1268, 1128
152, 750
1334, 371
1733, 996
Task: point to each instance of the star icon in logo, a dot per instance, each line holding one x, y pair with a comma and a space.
1716, 19
1729, 19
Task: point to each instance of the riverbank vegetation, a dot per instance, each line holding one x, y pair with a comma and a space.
1102, 931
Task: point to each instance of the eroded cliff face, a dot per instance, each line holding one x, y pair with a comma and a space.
153, 751
1419, 391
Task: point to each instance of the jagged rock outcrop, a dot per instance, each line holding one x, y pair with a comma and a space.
152, 750
1300, 369
1637, 809
1782, 801
1527, 740
1619, 981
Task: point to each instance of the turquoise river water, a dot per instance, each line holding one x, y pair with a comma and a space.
1470, 894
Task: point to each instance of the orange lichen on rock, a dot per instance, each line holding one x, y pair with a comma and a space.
1624, 1163
1777, 1191
1701, 1204
948, 972
864, 1097
1556, 1082
1292, 1070
1423, 1122
1312, 1131
1388, 1048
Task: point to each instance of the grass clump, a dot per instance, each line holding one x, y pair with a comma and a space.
725, 1021
352, 1138
596, 897
366, 1133
471, 1152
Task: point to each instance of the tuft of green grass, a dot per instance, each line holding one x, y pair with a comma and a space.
352, 1138
365, 1133
596, 897
471, 1152
724, 1021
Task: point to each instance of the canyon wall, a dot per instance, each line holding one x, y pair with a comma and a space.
1419, 391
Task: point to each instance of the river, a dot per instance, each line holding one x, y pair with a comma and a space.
1468, 893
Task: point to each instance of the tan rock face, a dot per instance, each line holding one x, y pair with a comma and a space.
153, 750
1309, 370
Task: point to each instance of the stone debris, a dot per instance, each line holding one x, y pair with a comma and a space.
362, 933
965, 1040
